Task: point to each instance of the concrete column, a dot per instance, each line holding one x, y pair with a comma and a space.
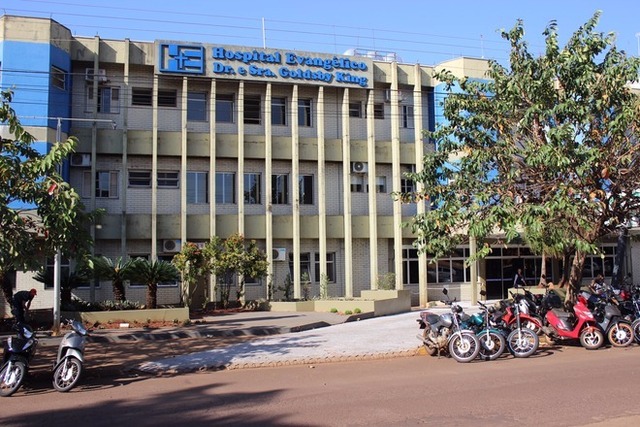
418, 114
295, 193
126, 101
212, 178
154, 172
346, 194
396, 174
183, 165
322, 182
268, 190
373, 195
240, 177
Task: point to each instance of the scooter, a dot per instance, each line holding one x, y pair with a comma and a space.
68, 365
18, 352
608, 316
578, 323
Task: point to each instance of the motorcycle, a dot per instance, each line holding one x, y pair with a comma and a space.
577, 323
492, 340
521, 341
525, 313
443, 332
18, 352
68, 365
619, 331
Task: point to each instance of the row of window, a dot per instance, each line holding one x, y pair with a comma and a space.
197, 108
105, 185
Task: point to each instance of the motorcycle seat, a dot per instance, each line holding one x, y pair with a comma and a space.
561, 313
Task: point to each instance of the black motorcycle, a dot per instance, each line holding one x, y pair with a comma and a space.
18, 352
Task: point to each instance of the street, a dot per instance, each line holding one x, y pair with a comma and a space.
559, 386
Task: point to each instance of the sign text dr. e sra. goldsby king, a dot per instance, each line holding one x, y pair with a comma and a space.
311, 68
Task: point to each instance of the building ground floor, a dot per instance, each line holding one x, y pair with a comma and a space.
495, 274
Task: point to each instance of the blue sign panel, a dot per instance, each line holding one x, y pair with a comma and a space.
180, 58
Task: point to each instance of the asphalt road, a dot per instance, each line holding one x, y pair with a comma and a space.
560, 386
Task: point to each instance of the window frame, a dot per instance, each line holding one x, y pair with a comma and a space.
142, 180
355, 110
196, 178
142, 96
108, 99
249, 179
197, 107
378, 111
280, 196
408, 120
92, 184
252, 110
58, 77
168, 179
305, 112
305, 189
331, 267
167, 98
225, 104
222, 193
279, 104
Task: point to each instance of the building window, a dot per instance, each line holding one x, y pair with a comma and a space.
304, 112
168, 98
280, 189
58, 78
252, 193
378, 111
407, 116
355, 109
305, 264
407, 185
381, 184
105, 184
64, 271
142, 96
252, 114
108, 99
224, 109
331, 267
279, 111
225, 187
305, 183
168, 179
139, 178
358, 183
197, 187
197, 106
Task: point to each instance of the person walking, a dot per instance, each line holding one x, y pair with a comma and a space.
21, 303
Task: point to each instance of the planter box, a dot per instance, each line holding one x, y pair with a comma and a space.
379, 303
180, 314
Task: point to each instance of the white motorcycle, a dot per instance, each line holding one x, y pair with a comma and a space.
68, 365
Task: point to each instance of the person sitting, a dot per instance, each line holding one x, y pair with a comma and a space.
518, 279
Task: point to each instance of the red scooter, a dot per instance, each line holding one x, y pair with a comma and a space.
578, 323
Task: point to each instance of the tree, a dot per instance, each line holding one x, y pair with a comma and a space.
151, 273
117, 272
68, 281
29, 178
193, 266
233, 257
545, 149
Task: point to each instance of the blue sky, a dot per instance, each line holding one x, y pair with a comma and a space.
423, 31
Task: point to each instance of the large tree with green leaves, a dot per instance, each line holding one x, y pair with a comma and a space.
544, 149
117, 272
30, 178
151, 273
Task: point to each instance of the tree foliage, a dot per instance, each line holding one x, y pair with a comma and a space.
117, 272
151, 273
545, 150
29, 178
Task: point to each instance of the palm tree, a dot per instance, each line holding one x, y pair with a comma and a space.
117, 271
151, 273
68, 281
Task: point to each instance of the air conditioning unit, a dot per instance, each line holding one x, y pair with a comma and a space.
387, 95
359, 167
171, 245
89, 72
201, 245
279, 254
80, 159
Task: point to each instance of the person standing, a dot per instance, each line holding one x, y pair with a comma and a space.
518, 279
21, 303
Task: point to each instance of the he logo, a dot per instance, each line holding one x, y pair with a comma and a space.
177, 58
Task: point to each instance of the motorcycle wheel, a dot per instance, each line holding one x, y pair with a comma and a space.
591, 339
492, 345
67, 374
523, 342
620, 334
464, 347
534, 325
636, 330
431, 351
10, 380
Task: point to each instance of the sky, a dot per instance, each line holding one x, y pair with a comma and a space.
423, 31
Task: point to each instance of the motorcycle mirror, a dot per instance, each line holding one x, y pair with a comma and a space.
445, 291
483, 293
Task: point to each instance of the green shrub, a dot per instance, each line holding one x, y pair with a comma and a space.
357, 311
348, 312
334, 310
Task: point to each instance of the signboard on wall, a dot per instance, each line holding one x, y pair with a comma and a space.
245, 63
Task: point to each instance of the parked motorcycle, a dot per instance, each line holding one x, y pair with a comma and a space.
68, 365
578, 323
521, 341
18, 352
525, 313
619, 331
492, 340
442, 333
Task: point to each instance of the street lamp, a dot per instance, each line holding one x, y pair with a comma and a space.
57, 259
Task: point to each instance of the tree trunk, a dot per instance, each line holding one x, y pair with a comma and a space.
618, 265
575, 277
118, 291
152, 295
